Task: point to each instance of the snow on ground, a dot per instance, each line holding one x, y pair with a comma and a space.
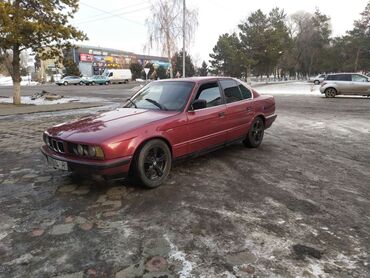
296, 88
7, 81
42, 101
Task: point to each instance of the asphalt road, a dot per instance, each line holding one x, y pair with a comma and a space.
298, 206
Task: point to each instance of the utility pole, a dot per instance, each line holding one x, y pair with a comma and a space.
183, 39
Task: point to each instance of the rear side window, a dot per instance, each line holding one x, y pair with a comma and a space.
339, 77
246, 94
211, 93
231, 90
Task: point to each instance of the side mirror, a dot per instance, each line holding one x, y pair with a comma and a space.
199, 104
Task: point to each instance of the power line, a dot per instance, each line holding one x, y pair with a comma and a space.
110, 12
114, 14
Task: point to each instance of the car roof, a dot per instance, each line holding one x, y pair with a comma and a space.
197, 79
337, 73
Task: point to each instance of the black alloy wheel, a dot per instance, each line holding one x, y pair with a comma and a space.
255, 134
152, 164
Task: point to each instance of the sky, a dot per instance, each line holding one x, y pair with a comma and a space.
120, 24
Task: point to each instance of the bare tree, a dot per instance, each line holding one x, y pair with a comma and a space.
165, 26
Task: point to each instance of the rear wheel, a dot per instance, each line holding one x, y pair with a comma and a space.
152, 164
317, 82
81, 83
93, 83
330, 92
255, 134
106, 82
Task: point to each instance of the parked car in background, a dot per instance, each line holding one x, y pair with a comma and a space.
164, 121
68, 80
118, 75
318, 79
96, 79
345, 84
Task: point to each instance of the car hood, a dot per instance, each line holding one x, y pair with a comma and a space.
96, 129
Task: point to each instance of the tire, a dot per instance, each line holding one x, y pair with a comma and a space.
92, 83
330, 92
255, 134
316, 82
151, 164
65, 83
81, 83
107, 83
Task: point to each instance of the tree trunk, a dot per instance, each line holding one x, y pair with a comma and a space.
169, 52
356, 59
16, 75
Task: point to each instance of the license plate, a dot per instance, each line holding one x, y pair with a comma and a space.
57, 164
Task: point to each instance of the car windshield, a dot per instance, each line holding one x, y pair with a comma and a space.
167, 95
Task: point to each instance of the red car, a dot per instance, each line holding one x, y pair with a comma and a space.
164, 121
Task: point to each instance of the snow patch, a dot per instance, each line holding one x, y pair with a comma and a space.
296, 88
7, 81
42, 101
180, 256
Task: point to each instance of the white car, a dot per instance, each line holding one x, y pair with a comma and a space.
70, 80
318, 79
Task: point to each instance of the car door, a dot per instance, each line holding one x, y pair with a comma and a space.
239, 108
360, 84
343, 82
207, 126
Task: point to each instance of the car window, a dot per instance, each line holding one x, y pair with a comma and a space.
163, 95
231, 90
211, 93
246, 93
339, 77
359, 78
322, 76
345, 77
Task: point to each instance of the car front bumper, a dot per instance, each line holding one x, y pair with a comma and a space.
112, 167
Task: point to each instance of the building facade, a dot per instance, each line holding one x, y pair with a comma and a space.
92, 60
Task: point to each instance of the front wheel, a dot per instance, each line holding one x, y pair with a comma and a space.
317, 82
330, 92
152, 164
106, 82
255, 134
65, 83
81, 83
92, 83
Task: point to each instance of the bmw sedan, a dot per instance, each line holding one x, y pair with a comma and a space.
165, 121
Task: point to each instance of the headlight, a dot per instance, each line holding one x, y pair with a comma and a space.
80, 150
87, 151
91, 151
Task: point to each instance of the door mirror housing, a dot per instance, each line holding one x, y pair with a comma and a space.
199, 104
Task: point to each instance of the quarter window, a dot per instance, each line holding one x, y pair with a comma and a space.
231, 90
210, 92
245, 92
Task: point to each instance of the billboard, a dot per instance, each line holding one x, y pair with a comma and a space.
86, 57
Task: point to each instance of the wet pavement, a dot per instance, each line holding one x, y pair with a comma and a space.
298, 206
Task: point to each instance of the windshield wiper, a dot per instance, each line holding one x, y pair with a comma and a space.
133, 103
162, 107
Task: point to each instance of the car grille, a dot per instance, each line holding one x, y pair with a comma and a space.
55, 145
